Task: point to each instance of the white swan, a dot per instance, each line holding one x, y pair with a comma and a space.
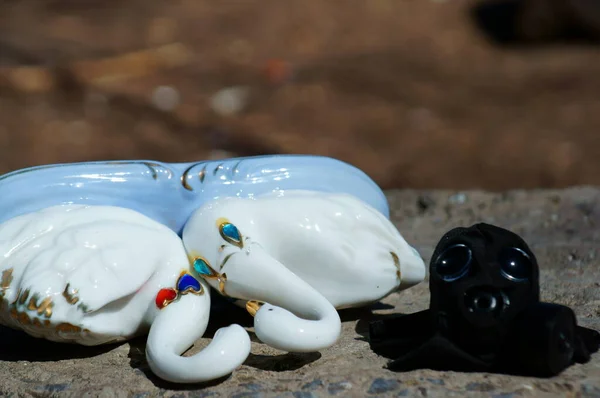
303, 253
98, 274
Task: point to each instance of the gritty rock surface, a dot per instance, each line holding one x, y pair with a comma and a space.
560, 226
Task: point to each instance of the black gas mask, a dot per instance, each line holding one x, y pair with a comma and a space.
480, 278
485, 313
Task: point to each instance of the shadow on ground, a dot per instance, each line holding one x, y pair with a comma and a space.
19, 346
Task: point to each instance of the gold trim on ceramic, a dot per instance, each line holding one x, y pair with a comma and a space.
70, 294
397, 264
7, 279
253, 306
222, 281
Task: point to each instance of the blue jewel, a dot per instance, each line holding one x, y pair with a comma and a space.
231, 234
201, 267
188, 283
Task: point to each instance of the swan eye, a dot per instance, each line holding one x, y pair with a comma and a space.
231, 234
202, 267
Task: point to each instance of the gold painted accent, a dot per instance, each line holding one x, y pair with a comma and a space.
23, 296
45, 307
152, 166
227, 257
7, 279
166, 302
190, 290
397, 264
70, 296
32, 306
226, 238
17, 297
222, 280
253, 306
202, 174
184, 176
20, 317
221, 220
23, 319
5, 282
216, 170
67, 328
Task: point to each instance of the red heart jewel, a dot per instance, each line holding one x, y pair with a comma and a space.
165, 297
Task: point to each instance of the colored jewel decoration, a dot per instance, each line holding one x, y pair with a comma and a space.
188, 284
202, 268
231, 234
165, 297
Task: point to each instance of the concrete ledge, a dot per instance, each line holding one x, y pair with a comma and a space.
562, 227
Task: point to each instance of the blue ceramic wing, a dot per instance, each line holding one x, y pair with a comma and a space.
170, 192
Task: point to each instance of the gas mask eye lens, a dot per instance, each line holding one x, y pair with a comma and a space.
454, 262
515, 264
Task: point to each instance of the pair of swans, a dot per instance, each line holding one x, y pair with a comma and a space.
99, 252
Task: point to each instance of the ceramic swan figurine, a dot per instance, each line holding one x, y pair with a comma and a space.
303, 253
100, 274
91, 253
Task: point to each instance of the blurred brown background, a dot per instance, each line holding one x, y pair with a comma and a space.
411, 91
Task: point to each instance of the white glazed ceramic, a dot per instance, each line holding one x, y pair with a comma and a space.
99, 274
303, 253
104, 265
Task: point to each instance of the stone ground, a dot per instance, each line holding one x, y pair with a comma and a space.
561, 227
